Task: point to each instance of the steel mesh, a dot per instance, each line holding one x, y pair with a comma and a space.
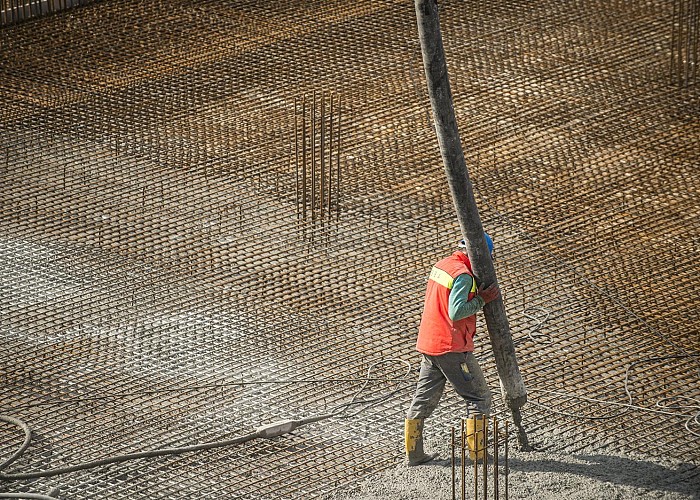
159, 290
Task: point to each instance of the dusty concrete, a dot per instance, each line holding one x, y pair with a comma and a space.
538, 475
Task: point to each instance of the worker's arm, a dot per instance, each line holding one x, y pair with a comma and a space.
459, 305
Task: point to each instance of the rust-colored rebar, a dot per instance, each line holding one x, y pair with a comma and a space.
495, 458
475, 464
685, 34
322, 157
695, 50
337, 176
15, 11
147, 189
296, 159
303, 160
681, 38
463, 440
454, 465
330, 159
313, 158
320, 200
506, 469
484, 450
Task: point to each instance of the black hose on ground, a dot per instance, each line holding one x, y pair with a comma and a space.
266, 431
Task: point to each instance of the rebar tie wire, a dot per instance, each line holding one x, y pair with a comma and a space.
266, 431
680, 406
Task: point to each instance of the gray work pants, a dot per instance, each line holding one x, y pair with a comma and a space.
465, 375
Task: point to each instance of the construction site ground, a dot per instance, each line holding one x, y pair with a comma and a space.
175, 268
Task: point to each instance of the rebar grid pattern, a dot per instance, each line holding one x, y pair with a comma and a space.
14, 11
159, 290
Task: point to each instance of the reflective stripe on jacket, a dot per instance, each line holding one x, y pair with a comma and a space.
438, 334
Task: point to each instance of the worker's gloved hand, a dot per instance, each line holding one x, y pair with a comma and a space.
489, 293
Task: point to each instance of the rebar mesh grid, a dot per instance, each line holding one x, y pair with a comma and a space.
15, 11
158, 288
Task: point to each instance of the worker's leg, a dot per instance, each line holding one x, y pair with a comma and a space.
431, 383
465, 375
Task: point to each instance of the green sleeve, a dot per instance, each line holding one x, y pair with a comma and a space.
459, 305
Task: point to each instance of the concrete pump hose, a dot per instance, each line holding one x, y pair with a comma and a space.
106, 461
267, 431
37, 496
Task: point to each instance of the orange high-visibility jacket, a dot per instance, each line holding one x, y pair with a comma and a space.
438, 334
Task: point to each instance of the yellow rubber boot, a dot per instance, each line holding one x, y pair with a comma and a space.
476, 438
414, 442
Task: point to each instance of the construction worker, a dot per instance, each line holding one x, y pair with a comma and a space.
445, 341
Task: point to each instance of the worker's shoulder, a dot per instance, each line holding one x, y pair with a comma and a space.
454, 264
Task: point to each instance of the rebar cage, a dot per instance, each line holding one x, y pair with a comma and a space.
159, 288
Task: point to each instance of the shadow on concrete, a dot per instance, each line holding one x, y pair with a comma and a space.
683, 478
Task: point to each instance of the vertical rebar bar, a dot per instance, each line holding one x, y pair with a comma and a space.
337, 177
690, 17
296, 156
696, 35
303, 158
673, 40
484, 449
313, 158
476, 463
330, 160
322, 190
495, 458
464, 460
680, 42
506, 462
454, 486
